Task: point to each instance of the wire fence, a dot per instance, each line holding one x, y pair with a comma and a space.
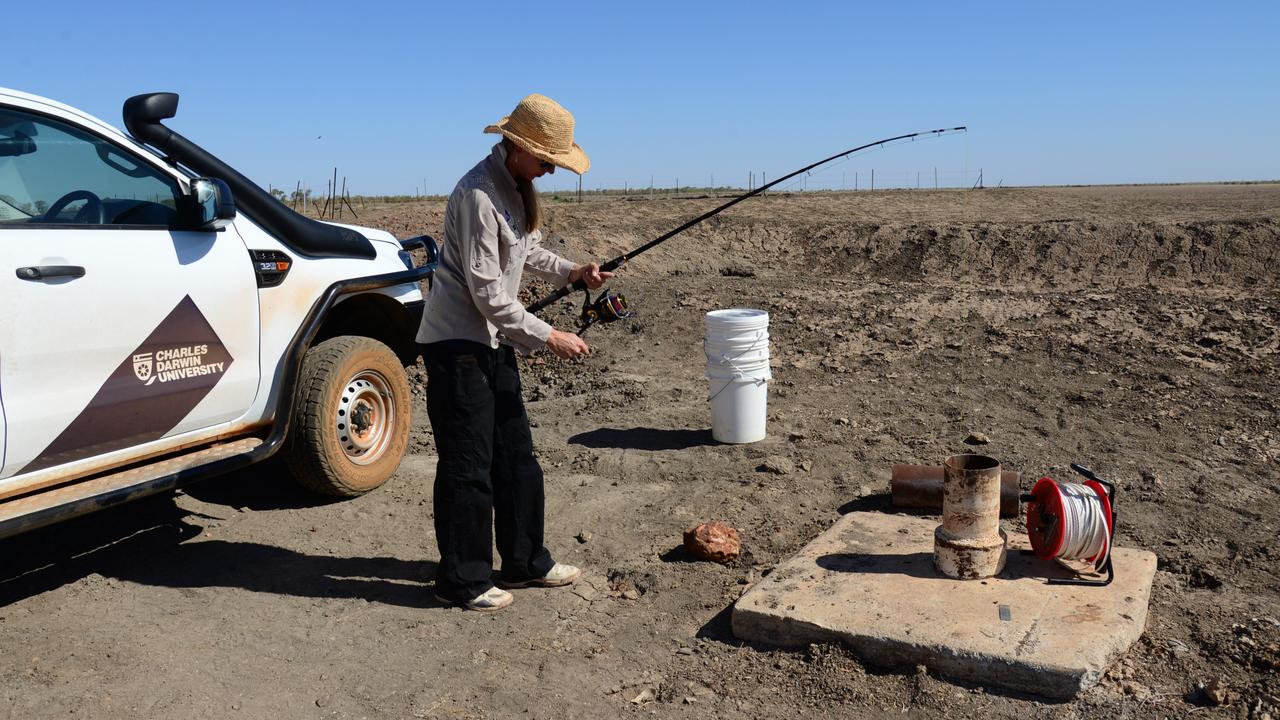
843, 175
853, 171
851, 180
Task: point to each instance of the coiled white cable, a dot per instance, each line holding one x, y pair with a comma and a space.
1086, 535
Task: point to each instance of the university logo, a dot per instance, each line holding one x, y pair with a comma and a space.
153, 388
142, 365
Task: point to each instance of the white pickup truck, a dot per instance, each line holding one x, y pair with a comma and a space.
165, 319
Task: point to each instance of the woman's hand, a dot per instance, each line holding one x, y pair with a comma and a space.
567, 345
590, 274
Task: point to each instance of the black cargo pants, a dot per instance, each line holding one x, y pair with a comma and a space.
486, 476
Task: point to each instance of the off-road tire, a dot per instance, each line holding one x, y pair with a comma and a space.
344, 381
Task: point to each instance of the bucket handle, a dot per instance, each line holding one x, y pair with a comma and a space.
725, 360
734, 379
738, 375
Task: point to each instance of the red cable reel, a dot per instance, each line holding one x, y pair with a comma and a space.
1073, 522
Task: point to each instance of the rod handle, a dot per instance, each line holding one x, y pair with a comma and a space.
562, 292
581, 284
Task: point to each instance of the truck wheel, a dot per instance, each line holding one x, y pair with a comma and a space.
351, 417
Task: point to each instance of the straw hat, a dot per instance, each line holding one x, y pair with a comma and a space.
545, 130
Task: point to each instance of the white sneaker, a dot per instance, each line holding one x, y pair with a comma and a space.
559, 575
490, 600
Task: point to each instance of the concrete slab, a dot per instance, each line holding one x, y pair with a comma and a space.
869, 582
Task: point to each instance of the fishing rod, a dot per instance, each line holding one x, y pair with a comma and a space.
610, 307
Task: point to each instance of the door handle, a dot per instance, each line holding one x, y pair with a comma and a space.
44, 272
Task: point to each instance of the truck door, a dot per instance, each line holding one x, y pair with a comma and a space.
2, 435
118, 330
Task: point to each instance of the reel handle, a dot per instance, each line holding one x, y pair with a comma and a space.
1084, 471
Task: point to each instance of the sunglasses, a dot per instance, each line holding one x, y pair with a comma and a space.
546, 165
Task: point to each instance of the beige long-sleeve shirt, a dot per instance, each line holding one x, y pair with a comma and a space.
486, 249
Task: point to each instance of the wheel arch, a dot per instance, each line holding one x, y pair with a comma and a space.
378, 317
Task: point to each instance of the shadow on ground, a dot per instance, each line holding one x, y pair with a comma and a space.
878, 503
264, 486
156, 542
643, 439
280, 571
720, 628
50, 557
918, 565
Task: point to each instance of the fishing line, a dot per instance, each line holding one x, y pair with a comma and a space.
846, 158
617, 262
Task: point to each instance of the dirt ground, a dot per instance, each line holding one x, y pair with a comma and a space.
1135, 330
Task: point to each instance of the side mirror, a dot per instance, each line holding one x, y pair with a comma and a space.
214, 207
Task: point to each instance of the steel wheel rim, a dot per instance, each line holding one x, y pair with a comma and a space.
365, 419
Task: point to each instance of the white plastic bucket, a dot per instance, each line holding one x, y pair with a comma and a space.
726, 354
724, 323
740, 371
738, 409
737, 337
737, 350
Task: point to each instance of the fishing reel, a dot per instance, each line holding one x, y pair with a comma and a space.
607, 307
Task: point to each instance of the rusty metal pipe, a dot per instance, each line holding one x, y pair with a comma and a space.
969, 543
920, 486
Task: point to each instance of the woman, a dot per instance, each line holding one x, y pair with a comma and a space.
472, 324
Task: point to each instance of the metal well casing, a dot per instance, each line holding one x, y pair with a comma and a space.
969, 544
920, 486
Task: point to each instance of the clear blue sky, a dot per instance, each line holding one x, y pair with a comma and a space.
396, 94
